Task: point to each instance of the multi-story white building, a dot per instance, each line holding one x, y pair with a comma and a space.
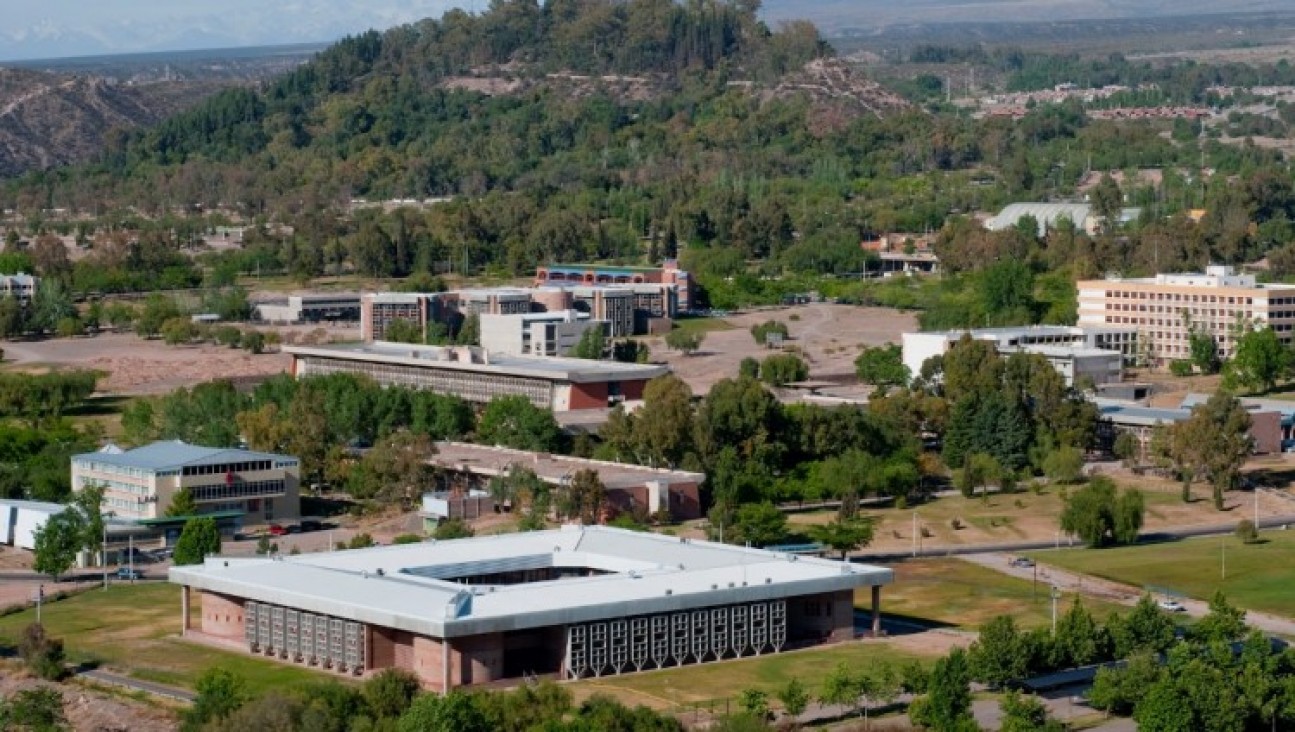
1166, 308
140, 484
536, 334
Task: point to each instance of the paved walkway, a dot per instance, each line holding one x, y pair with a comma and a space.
169, 692
1096, 587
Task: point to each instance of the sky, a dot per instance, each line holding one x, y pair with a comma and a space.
33, 29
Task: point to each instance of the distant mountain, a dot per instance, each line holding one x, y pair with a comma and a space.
48, 120
837, 16
31, 31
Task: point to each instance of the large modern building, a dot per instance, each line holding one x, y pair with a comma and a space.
474, 374
1095, 353
592, 274
1267, 426
21, 287
1165, 308
536, 334
572, 603
139, 484
1050, 215
466, 467
317, 308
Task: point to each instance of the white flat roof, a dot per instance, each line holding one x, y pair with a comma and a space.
486, 460
575, 370
409, 586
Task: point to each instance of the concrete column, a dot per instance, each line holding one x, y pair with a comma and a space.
184, 610
876, 611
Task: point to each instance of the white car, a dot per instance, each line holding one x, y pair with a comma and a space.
1172, 606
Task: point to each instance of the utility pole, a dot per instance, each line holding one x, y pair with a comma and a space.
914, 534
1223, 555
1056, 593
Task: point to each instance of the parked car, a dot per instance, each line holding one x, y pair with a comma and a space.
1172, 606
294, 529
1023, 562
277, 530
311, 525
126, 573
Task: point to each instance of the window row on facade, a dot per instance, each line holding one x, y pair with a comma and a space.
1180, 297
238, 489
224, 468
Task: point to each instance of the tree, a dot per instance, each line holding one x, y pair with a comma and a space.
1119, 690
748, 368
1127, 448
182, 504
585, 497
178, 331
794, 697
470, 331
157, 310
684, 341
455, 528
513, 421
1026, 714
1099, 515
947, 704
1108, 202
253, 341
629, 350
454, 712
389, 694
755, 703
843, 536
220, 694
662, 428
1224, 622
760, 524
762, 331
1247, 532
198, 540
1259, 362
979, 471
1064, 465
842, 687
395, 471
1215, 441
1079, 639
998, 655
58, 541
1147, 628
1204, 350
783, 368
882, 366
592, 344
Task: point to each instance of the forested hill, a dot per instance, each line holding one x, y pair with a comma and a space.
553, 94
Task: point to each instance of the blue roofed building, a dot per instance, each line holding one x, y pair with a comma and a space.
139, 484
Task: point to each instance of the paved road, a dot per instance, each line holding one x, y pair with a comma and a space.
169, 692
1103, 589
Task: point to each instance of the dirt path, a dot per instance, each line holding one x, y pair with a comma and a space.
1109, 591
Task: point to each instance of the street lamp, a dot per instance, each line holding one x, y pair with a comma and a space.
1056, 595
103, 555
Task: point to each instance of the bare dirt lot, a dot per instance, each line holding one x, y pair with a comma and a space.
828, 336
136, 366
88, 709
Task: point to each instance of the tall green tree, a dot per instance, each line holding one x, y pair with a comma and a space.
513, 421
947, 703
1260, 361
1214, 442
882, 366
198, 540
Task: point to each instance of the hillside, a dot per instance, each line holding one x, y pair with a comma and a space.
49, 120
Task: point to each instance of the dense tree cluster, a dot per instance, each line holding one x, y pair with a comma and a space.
392, 700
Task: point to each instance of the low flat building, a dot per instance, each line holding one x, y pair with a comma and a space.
595, 274
1072, 349
575, 602
614, 305
140, 484
1266, 426
466, 467
318, 308
476, 375
536, 334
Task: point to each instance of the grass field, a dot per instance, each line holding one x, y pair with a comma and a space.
712, 684
965, 595
1258, 575
133, 630
702, 325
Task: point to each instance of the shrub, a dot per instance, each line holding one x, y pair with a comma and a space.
453, 529
42, 654
407, 539
761, 332
1247, 532
1180, 367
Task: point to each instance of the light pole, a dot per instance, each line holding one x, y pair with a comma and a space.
1223, 556
103, 556
1056, 595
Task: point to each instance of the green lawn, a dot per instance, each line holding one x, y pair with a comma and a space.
1258, 575
714, 682
702, 325
132, 629
958, 593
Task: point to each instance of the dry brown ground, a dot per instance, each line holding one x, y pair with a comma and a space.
829, 336
136, 366
91, 710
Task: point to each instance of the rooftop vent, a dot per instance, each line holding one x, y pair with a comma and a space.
714, 586
381, 572
768, 580
669, 591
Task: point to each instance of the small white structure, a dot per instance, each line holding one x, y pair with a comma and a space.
20, 520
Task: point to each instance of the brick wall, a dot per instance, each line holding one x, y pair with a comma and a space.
827, 617
588, 396
222, 616
685, 501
